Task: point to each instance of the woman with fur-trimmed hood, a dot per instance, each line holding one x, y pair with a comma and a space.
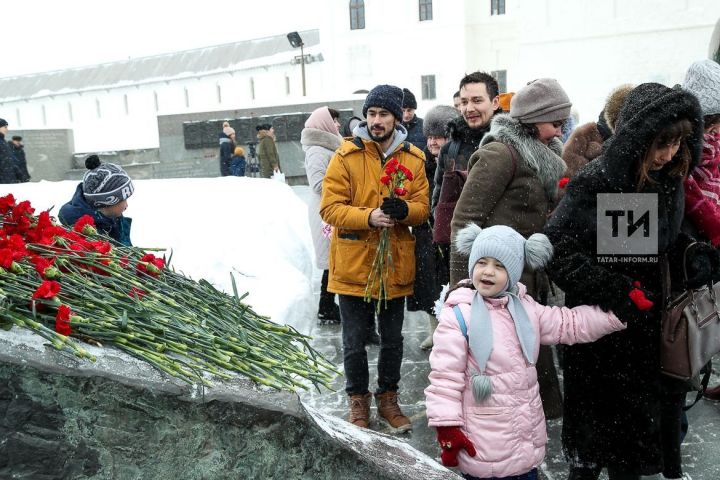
586, 142
512, 180
621, 413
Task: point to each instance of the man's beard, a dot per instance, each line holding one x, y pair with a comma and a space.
381, 138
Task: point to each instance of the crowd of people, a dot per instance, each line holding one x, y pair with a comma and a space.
501, 209
498, 208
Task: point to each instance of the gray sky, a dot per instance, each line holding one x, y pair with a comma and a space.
44, 35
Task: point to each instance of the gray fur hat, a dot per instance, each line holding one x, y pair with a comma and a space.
105, 184
436, 120
542, 100
703, 81
506, 245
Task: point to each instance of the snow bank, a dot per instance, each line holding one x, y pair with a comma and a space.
255, 228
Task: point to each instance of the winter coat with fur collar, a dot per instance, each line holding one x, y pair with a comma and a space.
351, 191
613, 387
507, 429
500, 191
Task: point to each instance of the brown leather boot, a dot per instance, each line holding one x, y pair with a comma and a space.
389, 411
360, 410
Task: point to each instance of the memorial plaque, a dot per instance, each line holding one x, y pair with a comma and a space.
192, 134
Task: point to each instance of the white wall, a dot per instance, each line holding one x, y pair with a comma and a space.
592, 47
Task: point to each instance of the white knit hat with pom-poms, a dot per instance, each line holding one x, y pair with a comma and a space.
506, 245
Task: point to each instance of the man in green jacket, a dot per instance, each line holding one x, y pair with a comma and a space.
267, 151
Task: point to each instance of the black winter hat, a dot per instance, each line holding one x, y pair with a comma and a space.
408, 99
105, 184
388, 97
3, 123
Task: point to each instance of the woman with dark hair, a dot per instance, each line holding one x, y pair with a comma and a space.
621, 412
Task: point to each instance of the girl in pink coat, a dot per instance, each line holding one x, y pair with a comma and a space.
484, 396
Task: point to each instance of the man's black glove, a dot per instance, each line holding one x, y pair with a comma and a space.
702, 265
395, 208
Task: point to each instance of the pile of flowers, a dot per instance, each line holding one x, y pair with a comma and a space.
73, 285
396, 174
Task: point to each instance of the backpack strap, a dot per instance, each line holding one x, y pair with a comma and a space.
461, 321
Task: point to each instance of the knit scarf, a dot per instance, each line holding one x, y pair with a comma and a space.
480, 338
706, 173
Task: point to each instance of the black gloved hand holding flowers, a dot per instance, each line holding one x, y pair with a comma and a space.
395, 208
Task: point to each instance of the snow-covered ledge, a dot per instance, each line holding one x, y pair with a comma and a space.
61, 417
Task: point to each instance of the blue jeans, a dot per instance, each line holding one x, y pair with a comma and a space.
356, 316
531, 475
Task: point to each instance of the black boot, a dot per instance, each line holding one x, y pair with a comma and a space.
328, 311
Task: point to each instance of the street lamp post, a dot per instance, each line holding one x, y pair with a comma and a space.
296, 41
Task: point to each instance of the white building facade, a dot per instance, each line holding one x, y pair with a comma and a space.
424, 45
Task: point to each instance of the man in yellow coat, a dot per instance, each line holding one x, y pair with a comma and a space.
358, 205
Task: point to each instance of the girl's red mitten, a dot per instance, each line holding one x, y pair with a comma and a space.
637, 295
452, 440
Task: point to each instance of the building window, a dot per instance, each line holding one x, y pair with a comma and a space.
44, 116
501, 77
497, 7
97, 108
187, 98
252, 88
70, 112
287, 85
428, 87
219, 93
127, 105
425, 10
157, 102
357, 14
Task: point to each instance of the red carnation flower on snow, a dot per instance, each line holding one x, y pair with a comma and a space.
101, 246
151, 265
563, 182
85, 225
6, 203
137, 293
47, 289
62, 320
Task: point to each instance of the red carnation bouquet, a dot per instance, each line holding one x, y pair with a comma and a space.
74, 284
395, 178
